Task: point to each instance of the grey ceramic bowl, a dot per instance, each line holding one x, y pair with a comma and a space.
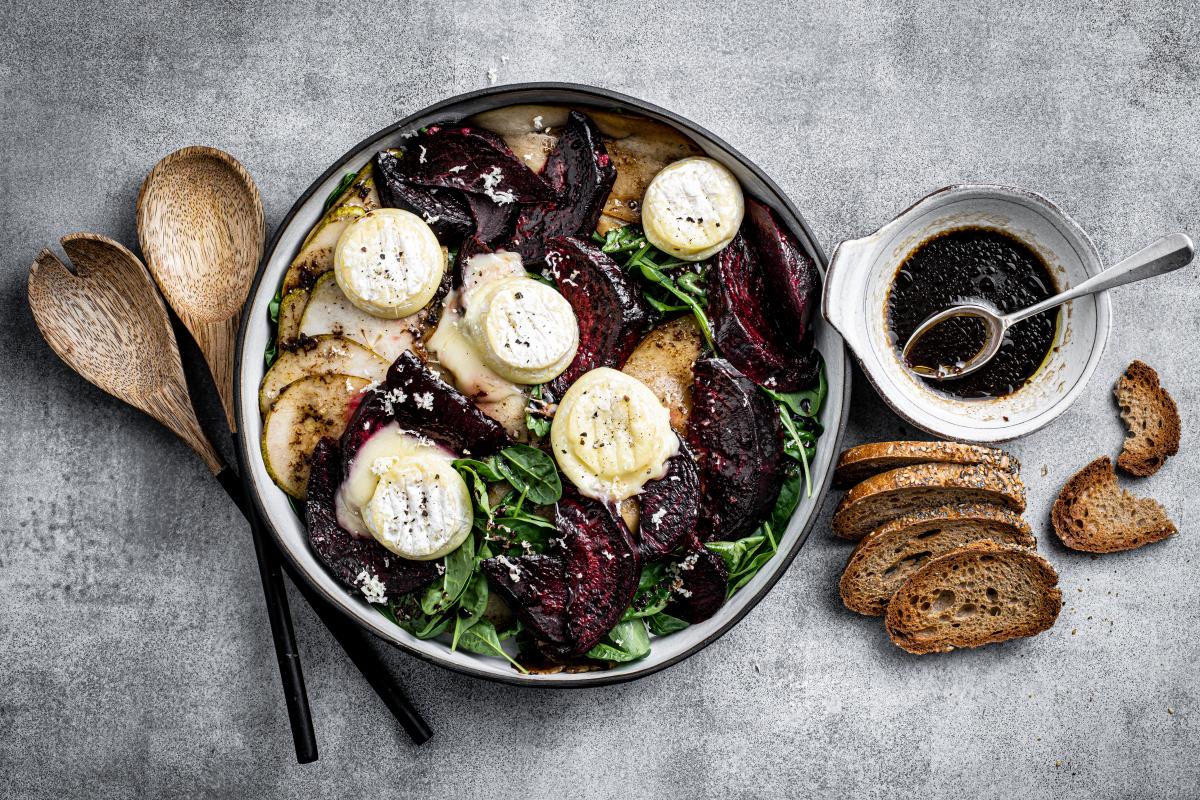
288, 528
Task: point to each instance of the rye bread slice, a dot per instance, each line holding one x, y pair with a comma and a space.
901, 491
888, 555
1094, 514
974, 595
1151, 421
859, 463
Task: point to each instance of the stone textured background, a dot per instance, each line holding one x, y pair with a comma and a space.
133, 648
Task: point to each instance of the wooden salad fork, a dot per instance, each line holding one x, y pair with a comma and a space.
108, 323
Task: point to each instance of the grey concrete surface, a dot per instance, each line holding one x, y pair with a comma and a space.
134, 659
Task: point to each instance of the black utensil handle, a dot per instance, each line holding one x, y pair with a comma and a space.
352, 640
275, 592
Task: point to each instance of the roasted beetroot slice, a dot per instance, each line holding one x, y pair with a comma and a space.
670, 507
602, 567
582, 174
446, 214
348, 556
611, 311
535, 588
470, 248
791, 276
371, 414
473, 160
704, 582
742, 331
492, 222
734, 430
423, 402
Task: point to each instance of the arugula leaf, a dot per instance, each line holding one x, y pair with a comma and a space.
531, 472
338, 190
663, 623
628, 641
482, 638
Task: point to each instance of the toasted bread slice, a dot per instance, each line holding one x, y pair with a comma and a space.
976, 594
1094, 514
888, 555
901, 491
859, 463
1151, 419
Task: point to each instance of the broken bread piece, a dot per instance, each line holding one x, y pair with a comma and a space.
900, 491
1095, 515
859, 463
977, 594
1151, 419
888, 555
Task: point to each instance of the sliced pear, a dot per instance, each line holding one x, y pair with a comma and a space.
329, 311
307, 410
325, 355
663, 361
316, 253
291, 309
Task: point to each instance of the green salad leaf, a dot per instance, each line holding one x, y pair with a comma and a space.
531, 472
628, 641
482, 638
338, 191
535, 419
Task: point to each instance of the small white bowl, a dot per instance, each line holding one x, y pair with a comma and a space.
855, 303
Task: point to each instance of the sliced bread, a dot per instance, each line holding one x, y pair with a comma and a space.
1094, 514
859, 463
900, 491
976, 594
888, 555
1151, 420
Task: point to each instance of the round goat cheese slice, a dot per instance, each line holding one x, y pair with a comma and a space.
692, 208
524, 330
611, 435
388, 262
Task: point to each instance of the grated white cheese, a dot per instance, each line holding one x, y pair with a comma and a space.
424, 400
490, 181
372, 588
421, 158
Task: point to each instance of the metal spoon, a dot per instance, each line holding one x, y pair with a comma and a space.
1165, 255
200, 224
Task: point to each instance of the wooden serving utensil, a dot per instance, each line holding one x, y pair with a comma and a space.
108, 323
200, 203
200, 226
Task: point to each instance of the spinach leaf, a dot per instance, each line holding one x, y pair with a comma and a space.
663, 623
785, 504
531, 472
482, 469
459, 566
273, 314
808, 402
628, 641
535, 418
338, 190
471, 606
482, 638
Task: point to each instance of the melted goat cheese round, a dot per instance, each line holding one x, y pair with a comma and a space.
611, 435
692, 208
389, 263
404, 491
523, 329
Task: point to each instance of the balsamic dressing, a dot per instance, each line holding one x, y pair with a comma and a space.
966, 264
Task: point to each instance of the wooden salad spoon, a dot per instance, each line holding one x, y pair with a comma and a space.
200, 224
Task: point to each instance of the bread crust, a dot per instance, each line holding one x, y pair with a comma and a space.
1151, 421
909, 628
1080, 525
899, 491
906, 543
867, 460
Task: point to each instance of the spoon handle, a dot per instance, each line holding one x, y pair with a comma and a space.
1164, 255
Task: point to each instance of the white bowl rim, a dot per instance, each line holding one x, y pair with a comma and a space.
834, 418
910, 411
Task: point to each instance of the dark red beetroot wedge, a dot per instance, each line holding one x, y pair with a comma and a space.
611, 311
473, 160
670, 507
602, 567
471, 247
735, 432
371, 414
703, 584
535, 588
348, 556
423, 402
742, 331
492, 222
446, 213
791, 277
582, 174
